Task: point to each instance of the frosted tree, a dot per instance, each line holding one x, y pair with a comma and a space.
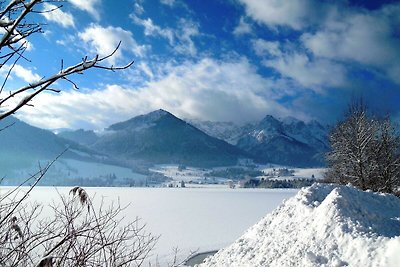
364, 151
76, 233
352, 141
386, 153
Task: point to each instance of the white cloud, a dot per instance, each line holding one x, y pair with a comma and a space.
242, 28
19, 76
358, 37
67, 40
25, 74
29, 46
264, 48
364, 37
340, 35
168, 2
57, 15
180, 39
146, 69
90, 6
208, 89
296, 14
187, 30
314, 74
151, 29
291, 62
105, 40
138, 8
339, 31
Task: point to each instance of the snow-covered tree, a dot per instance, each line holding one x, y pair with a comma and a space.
387, 156
350, 160
364, 151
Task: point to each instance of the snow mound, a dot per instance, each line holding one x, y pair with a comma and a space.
323, 225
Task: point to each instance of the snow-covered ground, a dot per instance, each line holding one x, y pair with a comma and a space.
272, 172
188, 218
180, 174
65, 170
309, 172
323, 225
91, 169
198, 175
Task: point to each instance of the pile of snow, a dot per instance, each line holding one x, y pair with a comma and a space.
323, 225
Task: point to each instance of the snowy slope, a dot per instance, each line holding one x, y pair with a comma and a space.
323, 225
227, 131
311, 133
286, 142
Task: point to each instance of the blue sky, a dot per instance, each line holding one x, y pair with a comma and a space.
219, 60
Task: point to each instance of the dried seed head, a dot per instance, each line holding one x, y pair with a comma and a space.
46, 262
16, 228
81, 194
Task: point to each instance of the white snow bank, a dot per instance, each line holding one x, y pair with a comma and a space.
323, 225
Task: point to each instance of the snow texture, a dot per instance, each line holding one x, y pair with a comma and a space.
323, 225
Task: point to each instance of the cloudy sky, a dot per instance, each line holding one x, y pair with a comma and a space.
219, 60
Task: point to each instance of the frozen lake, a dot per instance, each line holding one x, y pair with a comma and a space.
187, 218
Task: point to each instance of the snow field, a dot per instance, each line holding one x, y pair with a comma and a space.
323, 225
190, 219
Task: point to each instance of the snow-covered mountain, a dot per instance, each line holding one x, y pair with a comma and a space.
311, 133
29, 141
323, 225
25, 147
227, 131
160, 137
288, 141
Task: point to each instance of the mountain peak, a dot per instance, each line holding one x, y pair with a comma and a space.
157, 114
142, 121
159, 111
270, 119
160, 137
270, 124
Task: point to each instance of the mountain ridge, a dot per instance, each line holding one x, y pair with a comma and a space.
288, 141
24, 146
161, 137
